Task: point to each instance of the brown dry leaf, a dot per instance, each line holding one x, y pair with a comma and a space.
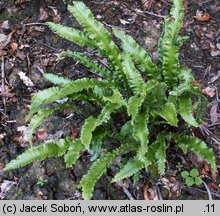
74, 132
3, 53
5, 187
209, 91
42, 134
214, 78
214, 113
22, 137
43, 15
14, 46
5, 25
57, 18
147, 4
202, 17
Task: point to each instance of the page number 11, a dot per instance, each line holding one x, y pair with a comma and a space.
210, 208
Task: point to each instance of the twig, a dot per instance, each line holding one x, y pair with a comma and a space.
140, 12
5, 94
208, 190
3, 82
127, 192
213, 193
214, 124
30, 24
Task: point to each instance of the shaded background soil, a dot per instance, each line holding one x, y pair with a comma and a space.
32, 49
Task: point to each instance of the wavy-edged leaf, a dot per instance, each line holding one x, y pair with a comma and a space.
92, 123
133, 76
169, 44
98, 168
57, 80
74, 35
88, 127
56, 93
73, 152
161, 155
141, 133
139, 54
37, 120
169, 113
97, 32
185, 110
41, 152
89, 63
129, 169
134, 105
197, 146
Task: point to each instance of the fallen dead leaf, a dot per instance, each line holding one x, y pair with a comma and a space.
74, 132
42, 134
26, 80
43, 15
14, 46
5, 25
214, 113
209, 91
148, 4
215, 53
203, 17
214, 78
5, 187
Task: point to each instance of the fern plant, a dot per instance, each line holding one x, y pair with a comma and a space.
152, 111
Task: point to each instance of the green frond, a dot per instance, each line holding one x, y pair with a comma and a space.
41, 152
133, 76
197, 146
169, 113
160, 155
55, 79
56, 93
141, 133
87, 62
97, 32
185, 110
73, 152
89, 126
169, 47
139, 54
98, 168
37, 120
129, 169
92, 123
72, 34
134, 105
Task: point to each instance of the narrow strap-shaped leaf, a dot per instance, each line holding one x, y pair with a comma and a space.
37, 120
57, 80
74, 35
169, 47
98, 168
141, 133
56, 93
139, 54
73, 152
133, 76
169, 113
197, 146
129, 169
92, 123
134, 105
97, 32
91, 64
41, 152
161, 154
185, 110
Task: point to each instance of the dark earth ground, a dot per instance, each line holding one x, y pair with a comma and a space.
31, 49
